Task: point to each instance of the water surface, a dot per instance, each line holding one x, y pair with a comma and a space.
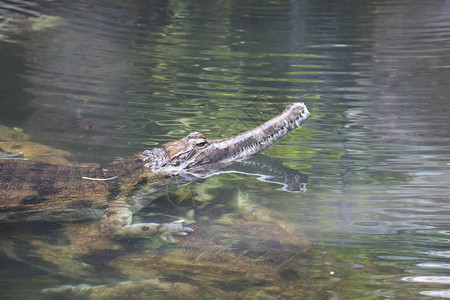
106, 79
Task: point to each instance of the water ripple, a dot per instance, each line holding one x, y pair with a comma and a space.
441, 294
428, 279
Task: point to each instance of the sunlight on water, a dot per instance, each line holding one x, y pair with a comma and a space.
429, 279
442, 294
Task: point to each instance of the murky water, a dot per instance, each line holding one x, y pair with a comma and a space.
106, 79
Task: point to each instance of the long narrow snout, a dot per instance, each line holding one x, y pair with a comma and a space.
253, 141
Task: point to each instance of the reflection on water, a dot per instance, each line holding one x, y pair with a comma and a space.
105, 80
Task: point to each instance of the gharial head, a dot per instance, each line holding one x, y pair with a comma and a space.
196, 153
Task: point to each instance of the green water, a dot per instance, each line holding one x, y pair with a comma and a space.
106, 79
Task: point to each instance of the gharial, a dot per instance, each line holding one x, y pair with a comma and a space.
33, 191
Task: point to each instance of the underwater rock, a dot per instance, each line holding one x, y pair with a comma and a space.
15, 141
44, 22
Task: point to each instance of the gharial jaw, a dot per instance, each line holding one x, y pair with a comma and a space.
195, 153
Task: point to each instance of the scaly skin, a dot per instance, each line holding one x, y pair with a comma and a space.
31, 191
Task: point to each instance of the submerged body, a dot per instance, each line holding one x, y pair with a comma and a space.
31, 191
